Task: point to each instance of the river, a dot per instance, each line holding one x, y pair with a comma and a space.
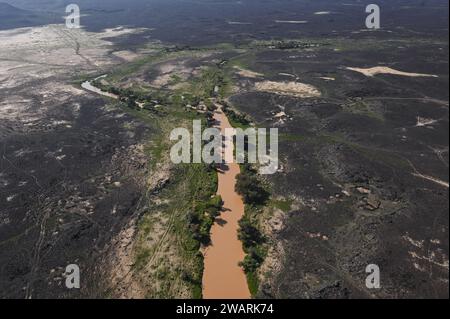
223, 278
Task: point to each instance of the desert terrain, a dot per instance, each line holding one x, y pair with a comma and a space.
87, 179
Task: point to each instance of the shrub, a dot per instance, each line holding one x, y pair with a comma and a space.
251, 189
253, 260
202, 218
249, 234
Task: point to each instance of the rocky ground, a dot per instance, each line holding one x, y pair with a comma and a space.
363, 119
72, 169
366, 177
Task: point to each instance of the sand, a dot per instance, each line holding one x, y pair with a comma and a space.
387, 70
291, 21
45, 51
248, 74
288, 88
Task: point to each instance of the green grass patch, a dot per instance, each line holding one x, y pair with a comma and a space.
252, 282
284, 205
141, 258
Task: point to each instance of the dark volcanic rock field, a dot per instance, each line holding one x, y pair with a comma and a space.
70, 180
353, 161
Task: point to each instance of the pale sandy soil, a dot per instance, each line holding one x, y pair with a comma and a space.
160, 240
288, 88
167, 71
126, 55
387, 70
288, 74
416, 173
280, 114
41, 61
127, 282
291, 21
326, 78
238, 23
440, 260
424, 121
273, 262
432, 179
248, 73
280, 117
42, 52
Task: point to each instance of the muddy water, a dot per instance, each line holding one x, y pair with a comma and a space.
222, 277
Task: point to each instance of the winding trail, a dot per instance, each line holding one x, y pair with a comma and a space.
223, 278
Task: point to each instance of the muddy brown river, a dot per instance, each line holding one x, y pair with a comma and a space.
223, 278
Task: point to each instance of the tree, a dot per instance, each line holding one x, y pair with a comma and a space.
251, 189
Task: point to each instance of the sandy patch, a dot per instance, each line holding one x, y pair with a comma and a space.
288, 88
291, 21
273, 262
247, 73
280, 115
42, 52
172, 72
415, 243
387, 70
238, 23
421, 122
119, 31
438, 259
432, 179
126, 55
288, 74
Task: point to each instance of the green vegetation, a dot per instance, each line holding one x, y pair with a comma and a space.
286, 137
255, 197
141, 259
172, 231
202, 217
204, 86
135, 98
284, 205
363, 108
250, 187
237, 120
